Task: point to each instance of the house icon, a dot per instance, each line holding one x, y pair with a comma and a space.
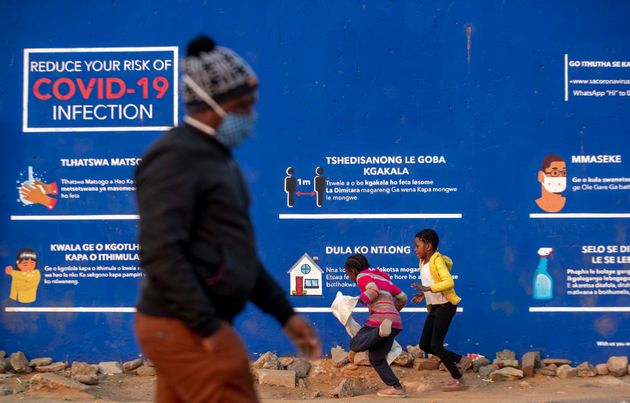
306, 277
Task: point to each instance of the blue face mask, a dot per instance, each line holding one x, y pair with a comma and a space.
234, 129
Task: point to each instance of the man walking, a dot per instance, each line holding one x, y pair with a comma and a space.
197, 244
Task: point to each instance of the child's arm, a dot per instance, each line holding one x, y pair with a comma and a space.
400, 298
369, 289
446, 280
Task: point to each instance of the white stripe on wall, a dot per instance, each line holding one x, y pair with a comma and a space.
581, 309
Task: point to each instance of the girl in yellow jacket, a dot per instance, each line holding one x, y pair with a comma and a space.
25, 279
438, 289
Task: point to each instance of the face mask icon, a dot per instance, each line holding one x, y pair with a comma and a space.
554, 184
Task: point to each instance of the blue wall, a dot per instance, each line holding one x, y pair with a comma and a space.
481, 84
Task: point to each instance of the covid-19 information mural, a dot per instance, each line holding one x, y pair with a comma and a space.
376, 120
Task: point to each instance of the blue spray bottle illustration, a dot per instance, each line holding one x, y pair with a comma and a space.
543, 283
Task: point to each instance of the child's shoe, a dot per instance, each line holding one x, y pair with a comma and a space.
385, 329
392, 392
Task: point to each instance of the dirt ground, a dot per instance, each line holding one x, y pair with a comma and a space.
324, 377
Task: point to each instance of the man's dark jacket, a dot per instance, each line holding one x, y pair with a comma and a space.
197, 245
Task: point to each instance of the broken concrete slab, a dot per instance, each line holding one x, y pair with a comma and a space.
348, 388
415, 351
404, 359
618, 365
56, 380
506, 363
362, 358
339, 356
86, 379
506, 374
485, 371
586, 370
556, 361
529, 362
301, 367
40, 362
480, 362
54, 367
566, 372
133, 364
285, 361
545, 371
506, 355
602, 369
83, 368
267, 361
145, 370
276, 377
110, 367
20, 363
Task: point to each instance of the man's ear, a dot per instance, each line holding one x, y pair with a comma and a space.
541, 177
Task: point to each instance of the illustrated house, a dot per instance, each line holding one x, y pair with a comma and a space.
306, 277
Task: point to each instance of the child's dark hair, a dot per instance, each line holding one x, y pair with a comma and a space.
428, 235
26, 253
358, 262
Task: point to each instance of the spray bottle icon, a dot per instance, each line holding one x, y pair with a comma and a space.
543, 283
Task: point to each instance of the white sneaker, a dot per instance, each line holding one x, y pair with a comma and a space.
385, 329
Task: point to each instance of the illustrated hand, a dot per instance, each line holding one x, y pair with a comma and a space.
49, 188
304, 336
416, 286
417, 298
8, 270
35, 194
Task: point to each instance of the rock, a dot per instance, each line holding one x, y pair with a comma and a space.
586, 370
545, 371
5, 365
425, 364
19, 363
506, 374
276, 377
302, 383
405, 359
3, 353
485, 371
361, 358
55, 380
609, 380
556, 361
6, 376
566, 372
339, 356
145, 370
617, 366
83, 368
39, 362
86, 379
524, 385
267, 361
4, 391
415, 351
552, 366
442, 367
506, 355
301, 367
529, 362
506, 363
285, 361
480, 362
348, 388
316, 394
110, 367
602, 369
628, 369
54, 367
133, 364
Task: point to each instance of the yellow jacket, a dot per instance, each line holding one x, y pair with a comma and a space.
440, 268
24, 286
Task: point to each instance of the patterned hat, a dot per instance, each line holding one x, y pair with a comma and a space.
219, 71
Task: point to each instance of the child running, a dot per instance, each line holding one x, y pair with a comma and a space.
439, 292
384, 300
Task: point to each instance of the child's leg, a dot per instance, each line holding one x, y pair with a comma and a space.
443, 316
427, 333
365, 339
378, 354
